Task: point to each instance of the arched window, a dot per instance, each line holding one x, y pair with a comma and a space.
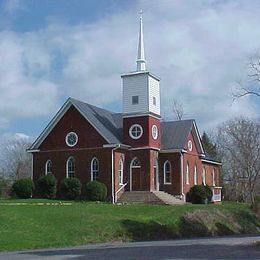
187, 174
135, 163
71, 167
121, 172
195, 178
48, 167
204, 176
167, 173
94, 169
213, 177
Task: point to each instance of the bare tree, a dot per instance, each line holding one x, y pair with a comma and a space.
178, 109
15, 161
252, 85
238, 142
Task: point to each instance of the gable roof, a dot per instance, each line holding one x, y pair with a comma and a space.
174, 134
110, 126
107, 124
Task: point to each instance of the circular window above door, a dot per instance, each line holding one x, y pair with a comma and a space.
135, 131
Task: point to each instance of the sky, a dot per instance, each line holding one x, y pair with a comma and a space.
52, 50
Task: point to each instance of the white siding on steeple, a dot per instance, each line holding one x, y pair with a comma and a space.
146, 88
135, 85
154, 92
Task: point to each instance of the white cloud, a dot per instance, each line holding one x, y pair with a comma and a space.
198, 48
12, 6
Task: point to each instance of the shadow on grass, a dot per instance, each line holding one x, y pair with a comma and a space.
151, 230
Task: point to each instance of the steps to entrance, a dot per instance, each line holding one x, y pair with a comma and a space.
147, 197
168, 198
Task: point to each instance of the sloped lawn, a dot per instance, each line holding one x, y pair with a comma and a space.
27, 224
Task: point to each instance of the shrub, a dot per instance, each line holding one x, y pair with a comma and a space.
96, 191
198, 194
71, 188
209, 193
23, 188
47, 186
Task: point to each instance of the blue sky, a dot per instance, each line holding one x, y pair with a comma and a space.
50, 50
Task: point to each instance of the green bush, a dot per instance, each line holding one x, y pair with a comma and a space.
23, 188
71, 188
47, 186
95, 191
198, 194
209, 193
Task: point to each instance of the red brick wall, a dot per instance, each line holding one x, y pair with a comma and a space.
146, 139
175, 160
209, 169
72, 121
83, 159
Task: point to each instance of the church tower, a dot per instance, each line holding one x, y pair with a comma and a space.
141, 103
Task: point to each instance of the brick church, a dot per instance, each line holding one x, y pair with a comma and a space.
129, 151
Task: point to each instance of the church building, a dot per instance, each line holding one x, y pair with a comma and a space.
130, 151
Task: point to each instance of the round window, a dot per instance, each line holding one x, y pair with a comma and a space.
135, 131
71, 139
190, 145
154, 132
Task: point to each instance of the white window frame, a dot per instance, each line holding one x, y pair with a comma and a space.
213, 177
67, 136
141, 131
195, 176
48, 165
187, 174
204, 176
154, 132
67, 167
167, 172
94, 171
121, 172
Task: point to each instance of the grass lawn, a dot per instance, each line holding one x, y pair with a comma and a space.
27, 224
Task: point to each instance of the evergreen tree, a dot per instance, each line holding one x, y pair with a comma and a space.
209, 147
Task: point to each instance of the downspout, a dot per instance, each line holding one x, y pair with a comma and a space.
182, 194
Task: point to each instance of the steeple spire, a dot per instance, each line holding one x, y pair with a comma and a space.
140, 62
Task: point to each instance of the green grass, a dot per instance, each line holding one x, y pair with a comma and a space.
27, 224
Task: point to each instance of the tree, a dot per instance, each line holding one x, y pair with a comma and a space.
252, 86
209, 147
15, 161
238, 141
178, 109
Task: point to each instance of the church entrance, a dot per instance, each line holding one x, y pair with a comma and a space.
135, 175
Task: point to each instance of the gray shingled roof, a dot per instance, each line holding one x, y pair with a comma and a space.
174, 133
109, 124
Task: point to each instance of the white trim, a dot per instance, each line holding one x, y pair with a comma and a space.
67, 136
131, 167
144, 148
91, 168
32, 168
141, 115
140, 72
182, 179
67, 164
203, 176
123, 146
190, 146
213, 177
195, 175
156, 133
209, 161
121, 171
32, 150
156, 167
187, 174
198, 137
173, 151
164, 172
131, 134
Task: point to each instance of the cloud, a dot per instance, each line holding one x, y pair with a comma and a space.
198, 48
12, 6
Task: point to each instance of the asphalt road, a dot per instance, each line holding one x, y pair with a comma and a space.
202, 248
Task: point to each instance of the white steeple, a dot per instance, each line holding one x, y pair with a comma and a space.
140, 62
